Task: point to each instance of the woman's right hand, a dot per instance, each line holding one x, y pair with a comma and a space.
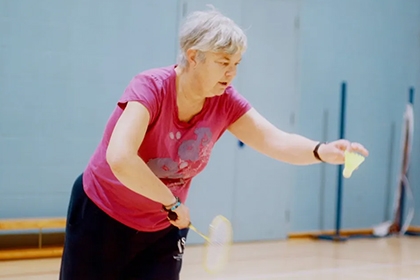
183, 217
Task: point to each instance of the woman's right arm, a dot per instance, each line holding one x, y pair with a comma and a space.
129, 168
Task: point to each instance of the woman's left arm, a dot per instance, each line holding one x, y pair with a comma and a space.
258, 133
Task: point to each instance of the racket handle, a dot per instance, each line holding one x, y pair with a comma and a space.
172, 216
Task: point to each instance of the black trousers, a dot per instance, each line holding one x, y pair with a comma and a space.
99, 247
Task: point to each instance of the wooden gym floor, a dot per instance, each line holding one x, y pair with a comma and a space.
356, 259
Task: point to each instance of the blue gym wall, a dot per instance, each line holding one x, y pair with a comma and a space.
63, 65
375, 47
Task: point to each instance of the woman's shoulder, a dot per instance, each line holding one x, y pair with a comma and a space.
159, 76
231, 94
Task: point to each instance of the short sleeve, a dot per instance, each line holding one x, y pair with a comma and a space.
143, 89
236, 105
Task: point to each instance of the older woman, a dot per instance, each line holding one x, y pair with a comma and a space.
158, 138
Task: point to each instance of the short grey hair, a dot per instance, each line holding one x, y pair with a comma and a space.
210, 31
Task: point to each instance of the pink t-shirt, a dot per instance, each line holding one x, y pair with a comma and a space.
175, 151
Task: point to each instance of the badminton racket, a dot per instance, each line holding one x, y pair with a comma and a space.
217, 242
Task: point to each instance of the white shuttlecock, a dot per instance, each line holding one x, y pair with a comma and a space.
351, 163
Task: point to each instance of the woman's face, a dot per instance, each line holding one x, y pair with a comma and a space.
214, 73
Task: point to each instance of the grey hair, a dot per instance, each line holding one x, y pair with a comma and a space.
210, 31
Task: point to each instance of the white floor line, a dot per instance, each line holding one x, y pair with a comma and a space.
318, 271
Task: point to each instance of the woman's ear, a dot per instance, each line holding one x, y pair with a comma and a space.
192, 57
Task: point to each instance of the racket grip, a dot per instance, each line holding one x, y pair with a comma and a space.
172, 216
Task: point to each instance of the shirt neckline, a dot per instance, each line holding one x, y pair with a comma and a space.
173, 95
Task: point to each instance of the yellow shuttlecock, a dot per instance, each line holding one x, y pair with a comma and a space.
351, 162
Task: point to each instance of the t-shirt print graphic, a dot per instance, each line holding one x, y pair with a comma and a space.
193, 155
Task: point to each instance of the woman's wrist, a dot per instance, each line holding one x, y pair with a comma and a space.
172, 206
316, 151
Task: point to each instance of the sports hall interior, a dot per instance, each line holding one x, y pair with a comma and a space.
64, 64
